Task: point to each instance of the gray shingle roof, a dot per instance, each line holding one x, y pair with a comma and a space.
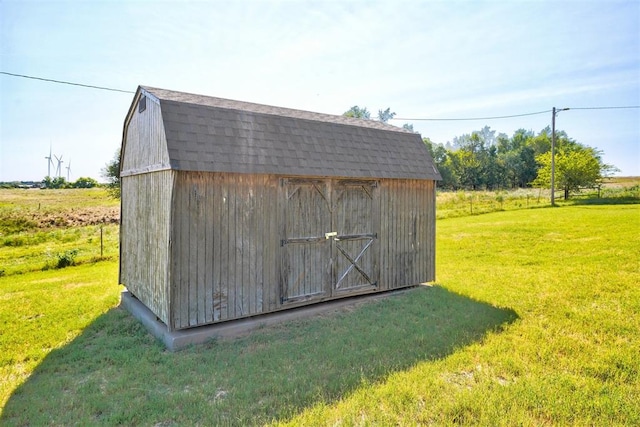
219, 135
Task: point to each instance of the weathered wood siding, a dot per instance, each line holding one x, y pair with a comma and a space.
144, 238
243, 244
224, 247
146, 147
407, 234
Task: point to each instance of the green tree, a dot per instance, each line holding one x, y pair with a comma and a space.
84, 182
358, 113
54, 183
576, 167
111, 172
478, 163
362, 113
518, 158
445, 164
386, 115
409, 127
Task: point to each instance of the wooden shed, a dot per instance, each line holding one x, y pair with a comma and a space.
232, 209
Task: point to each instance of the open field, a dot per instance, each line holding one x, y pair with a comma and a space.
453, 204
38, 227
533, 321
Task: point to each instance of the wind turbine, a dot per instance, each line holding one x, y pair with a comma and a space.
49, 161
58, 172
68, 170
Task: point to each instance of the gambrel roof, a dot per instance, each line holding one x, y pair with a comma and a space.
210, 134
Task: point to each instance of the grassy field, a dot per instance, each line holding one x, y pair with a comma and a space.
533, 321
452, 204
39, 228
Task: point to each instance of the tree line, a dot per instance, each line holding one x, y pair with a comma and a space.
59, 182
484, 160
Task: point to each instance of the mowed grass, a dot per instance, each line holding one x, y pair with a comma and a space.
533, 321
46, 310
572, 358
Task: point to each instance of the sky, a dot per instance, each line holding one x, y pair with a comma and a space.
423, 59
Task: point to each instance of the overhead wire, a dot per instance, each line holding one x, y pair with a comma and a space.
66, 82
605, 108
434, 119
513, 115
473, 118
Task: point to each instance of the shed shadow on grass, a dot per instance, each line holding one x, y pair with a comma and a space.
117, 373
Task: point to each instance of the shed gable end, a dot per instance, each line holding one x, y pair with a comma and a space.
144, 146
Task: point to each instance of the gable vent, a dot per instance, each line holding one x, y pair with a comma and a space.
142, 104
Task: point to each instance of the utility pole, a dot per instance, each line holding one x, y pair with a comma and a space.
553, 156
553, 153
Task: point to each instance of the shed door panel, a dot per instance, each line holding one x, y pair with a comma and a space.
355, 245
306, 259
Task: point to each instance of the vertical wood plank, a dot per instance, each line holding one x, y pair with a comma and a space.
233, 248
413, 229
421, 243
432, 230
216, 221
202, 243
239, 272
257, 226
276, 233
394, 257
192, 249
184, 254
383, 236
225, 249
208, 248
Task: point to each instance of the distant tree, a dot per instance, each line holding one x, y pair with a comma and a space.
54, 183
494, 169
358, 113
449, 167
476, 160
111, 172
84, 182
409, 127
362, 113
386, 115
443, 160
518, 158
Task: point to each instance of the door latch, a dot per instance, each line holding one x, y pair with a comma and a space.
332, 234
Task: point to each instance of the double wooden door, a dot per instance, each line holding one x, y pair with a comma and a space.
329, 244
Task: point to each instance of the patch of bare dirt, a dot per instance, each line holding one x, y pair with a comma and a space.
78, 217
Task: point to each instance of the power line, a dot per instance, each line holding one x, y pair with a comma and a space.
65, 82
604, 108
395, 118
513, 115
473, 118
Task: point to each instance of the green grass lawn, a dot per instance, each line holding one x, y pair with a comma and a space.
534, 321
